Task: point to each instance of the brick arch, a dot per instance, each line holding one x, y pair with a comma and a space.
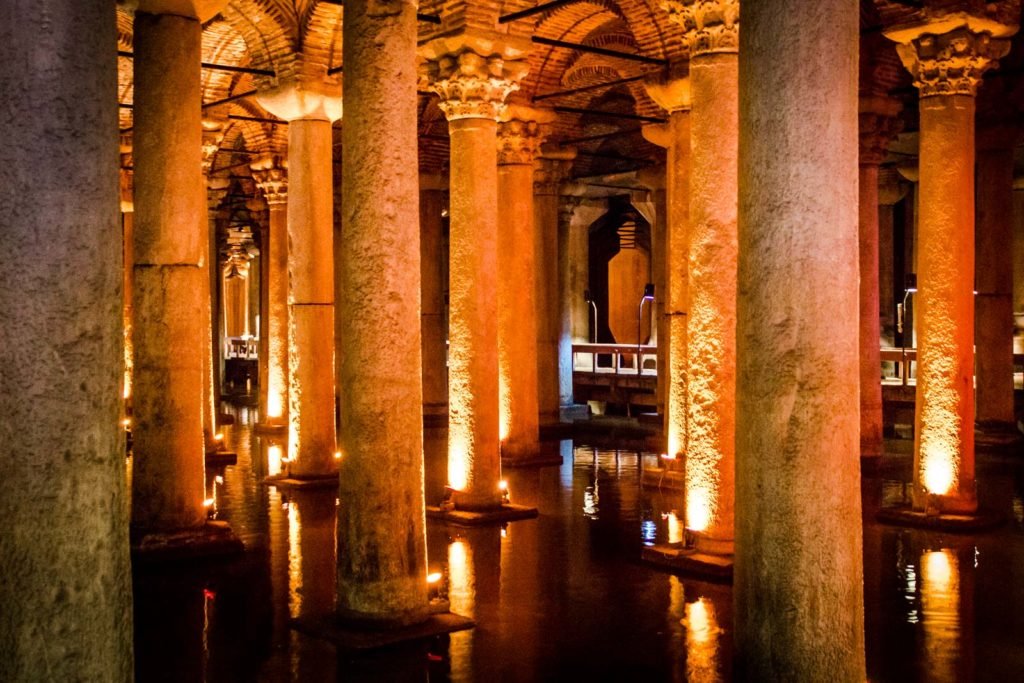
548, 63
222, 44
321, 36
266, 31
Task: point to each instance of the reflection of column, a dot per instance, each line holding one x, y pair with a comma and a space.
382, 564
797, 437
994, 280
674, 97
519, 138
473, 74
712, 30
550, 170
433, 322
67, 582
947, 68
574, 273
310, 105
272, 178
878, 123
170, 204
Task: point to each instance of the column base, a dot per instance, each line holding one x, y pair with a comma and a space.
662, 478
906, 516
677, 558
221, 457
214, 540
358, 637
506, 513
270, 428
997, 436
568, 413
286, 481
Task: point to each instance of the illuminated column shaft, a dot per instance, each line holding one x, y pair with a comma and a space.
272, 179
461, 69
168, 486
674, 136
712, 29
128, 258
66, 587
994, 315
518, 142
798, 512
382, 561
877, 126
433, 320
574, 274
549, 172
947, 70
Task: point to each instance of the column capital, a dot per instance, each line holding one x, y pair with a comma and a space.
950, 54
891, 187
552, 168
271, 176
214, 131
474, 72
670, 92
879, 124
521, 130
712, 26
309, 94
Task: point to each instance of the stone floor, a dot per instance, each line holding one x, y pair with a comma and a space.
564, 596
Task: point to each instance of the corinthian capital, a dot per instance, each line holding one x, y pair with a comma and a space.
879, 124
950, 55
552, 168
271, 176
520, 134
474, 72
712, 26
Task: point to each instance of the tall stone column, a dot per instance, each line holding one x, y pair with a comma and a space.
66, 587
798, 580
271, 175
994, 282
433, 320
891, 189
213, 134
673, 95
381, 523
947, 60
473, 73
1018, 246
519, 139
168, 485
712, 31
878, 124
310, 105
550, 170
574, 279
127, 229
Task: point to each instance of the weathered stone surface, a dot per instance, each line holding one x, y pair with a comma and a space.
382, 566
433, 316
66, 587
798, 541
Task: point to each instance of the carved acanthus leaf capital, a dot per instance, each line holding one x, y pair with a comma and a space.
473, 74
552, 169
951, 63
712, 26
518, 141
879, 123
271, 176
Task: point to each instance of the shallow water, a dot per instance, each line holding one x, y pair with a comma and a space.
564, 596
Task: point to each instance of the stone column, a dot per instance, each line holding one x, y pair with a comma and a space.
474, 73
213, 134
947, 60
127, 230
1018, 248
712, 31
382, 564
433, 321
310, 105
66, 587
168, 485
673, 95
890, 191
798, 581
574, 279
549, 171
878, 124
271, 175
994, 281
519, 139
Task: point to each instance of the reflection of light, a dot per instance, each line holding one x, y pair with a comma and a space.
698, 509
274, 460
671, 455
294, 561
590, 500
434, 577
503, 485
126, 423
461, 588
218, 437
275, 404
337, 455
458, 465
208, 502
648, 531
940, 613
701, 641
675, 528
938, 471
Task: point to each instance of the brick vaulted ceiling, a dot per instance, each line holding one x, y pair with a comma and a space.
270, 34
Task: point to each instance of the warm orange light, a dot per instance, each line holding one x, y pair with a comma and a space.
702, 633
668, 456
503, 485
275, 403
458, 465
938, 471
274, 460
434, 577
698, 508
337, 455
940, 612
208, 502
675, 528
461, 584
218, 436
126, 423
